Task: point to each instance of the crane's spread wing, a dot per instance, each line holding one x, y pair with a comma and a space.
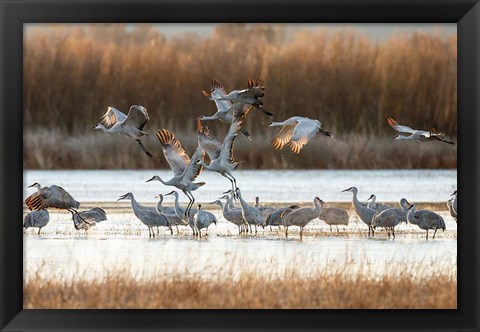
137, 117
54, 197
284, 136
95, 214
303, 132
400, 128
227, 146
211, 146
238, 109
256, 89
173, 151
111, 117
217, 91
194, 168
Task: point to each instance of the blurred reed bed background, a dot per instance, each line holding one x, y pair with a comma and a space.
346, 80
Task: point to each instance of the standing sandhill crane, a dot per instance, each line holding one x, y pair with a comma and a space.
51, 197
89, 218
148, 217
266, 210
170, 213
365, 214
417, 135
186, 216
425, 219
277, 217
379, 207
390, 218
296, 132
39, 218
224, 164
185, 170
251, 214
235, 215
249, 96
301, 217
333, 216
226, 110
131, 125
452, 205
203, 219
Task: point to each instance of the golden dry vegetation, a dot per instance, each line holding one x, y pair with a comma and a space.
349, 82
438, 291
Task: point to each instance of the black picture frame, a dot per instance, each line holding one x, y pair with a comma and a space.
14, 13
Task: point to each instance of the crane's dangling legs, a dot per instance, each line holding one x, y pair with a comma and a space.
144, 148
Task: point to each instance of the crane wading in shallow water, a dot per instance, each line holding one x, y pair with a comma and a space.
93, 217
390, 218
425, 219
37, 219
364, 213
301, 217
131, 125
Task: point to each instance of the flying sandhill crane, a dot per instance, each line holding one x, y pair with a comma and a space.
131, 125
148, 217
89, 218
234, 215
249, 96
425, 219
251, 214
266, 210
51, 197
390, 218
185, 170
333, 216
224, 164
364, 213
301, 217
278, 216
38, 219
417, 135
208, 143
226, 110
170, 213
186, 216
296, 132
203, 219
379, 207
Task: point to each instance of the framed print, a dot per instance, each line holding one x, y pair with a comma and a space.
200, 164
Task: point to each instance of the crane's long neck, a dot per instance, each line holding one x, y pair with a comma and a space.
356, 203
164, 182
242, 201
135, 205
159, 205
411, 216
178, 209
317, 210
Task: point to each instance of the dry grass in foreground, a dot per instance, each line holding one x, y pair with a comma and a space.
253, 292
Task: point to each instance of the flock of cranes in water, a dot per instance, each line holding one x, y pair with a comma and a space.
232, 108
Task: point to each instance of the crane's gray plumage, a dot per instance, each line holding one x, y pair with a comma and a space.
89, 218
203, 219
333, 216
266, 210
417, 135
251, 214
170, 213
452, 205
249, 96
301, 217
131, 125
148, 217
278, 216
296, 132
50, 197
226, 110
185, 170
364, 213
390, 218
425, 219
379, 207
39, 218
233, 215
186, 215
224, 163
